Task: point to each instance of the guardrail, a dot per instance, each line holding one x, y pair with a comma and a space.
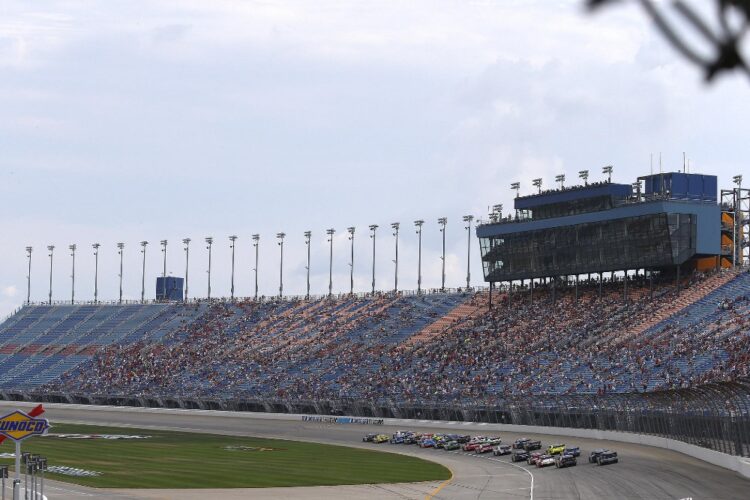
714, 416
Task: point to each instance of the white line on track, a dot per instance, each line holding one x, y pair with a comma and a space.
527, 471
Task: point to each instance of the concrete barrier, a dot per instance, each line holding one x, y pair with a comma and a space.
739, 464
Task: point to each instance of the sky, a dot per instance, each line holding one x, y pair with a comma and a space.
124, 121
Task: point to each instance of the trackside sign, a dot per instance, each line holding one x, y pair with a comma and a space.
19, 426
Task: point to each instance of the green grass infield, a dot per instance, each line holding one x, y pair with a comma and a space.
191, 460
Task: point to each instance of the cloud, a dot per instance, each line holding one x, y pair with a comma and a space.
10, 291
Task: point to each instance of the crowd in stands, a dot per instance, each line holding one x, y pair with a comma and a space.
364, 347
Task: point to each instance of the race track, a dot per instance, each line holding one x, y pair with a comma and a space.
643, 473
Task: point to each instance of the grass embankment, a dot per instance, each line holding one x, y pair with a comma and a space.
188, 460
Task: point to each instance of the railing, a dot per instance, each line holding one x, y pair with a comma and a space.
262, 298
715, 416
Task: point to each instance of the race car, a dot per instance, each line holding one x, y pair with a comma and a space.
594, 455
565, 460
427, 443
451, 445
484, 448
545, 461
519, 455
381, 438
397, 439
494, 441
411, 439
369, 438
555, 449
501, 449
607, 457
533, 457
473, 444
532, 445
463, 438
572, 450
519, 443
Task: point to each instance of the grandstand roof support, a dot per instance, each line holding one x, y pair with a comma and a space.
232, 240
531, 291
95, 246
468, 219
308, 235
442, 221
120, 250
490, 301
186, 242
51, 249
395, 226
209, 241
164, 272
28, 276
330, 232
73, 274
143, 271
256, 240
350, 230
280, 236
373, 228
418, 224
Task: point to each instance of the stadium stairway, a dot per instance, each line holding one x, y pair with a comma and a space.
465, 310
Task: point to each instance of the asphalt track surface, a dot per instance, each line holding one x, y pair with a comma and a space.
644, 472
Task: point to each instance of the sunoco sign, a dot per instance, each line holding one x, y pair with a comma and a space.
19, 425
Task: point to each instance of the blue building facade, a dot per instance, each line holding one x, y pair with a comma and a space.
605, 227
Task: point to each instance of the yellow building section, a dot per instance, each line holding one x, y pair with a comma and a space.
727, 219
706, 263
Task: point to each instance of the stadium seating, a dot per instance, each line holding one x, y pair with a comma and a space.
441, 346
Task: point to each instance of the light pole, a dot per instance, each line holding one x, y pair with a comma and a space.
608, 170
209, 242
418, 224
584, 174
443, 221
561, 179
256, 240
186, 242
330, 233
737, 249
350, 230
120, 251
72, 249
164, 271
308, 235
280, 236
537, 184
143, 271
28, 276
51, 249
373, 228
395, 226
516, 186
96, 246
232, 239
467, 219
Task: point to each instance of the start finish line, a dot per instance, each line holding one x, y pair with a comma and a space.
19, 425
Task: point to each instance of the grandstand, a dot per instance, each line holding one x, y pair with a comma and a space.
441, 346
